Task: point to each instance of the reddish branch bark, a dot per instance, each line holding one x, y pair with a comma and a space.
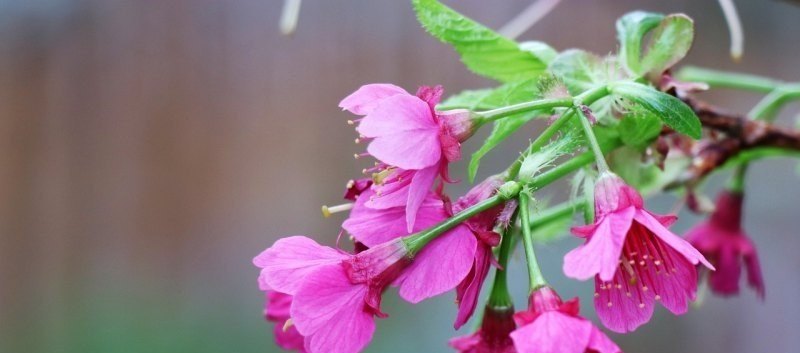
739, 134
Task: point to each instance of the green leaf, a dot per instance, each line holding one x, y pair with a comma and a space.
631, 30
638, 130
492, 98
670, 42
672, 111
482, 50
579, 70
501, 130
646, 177
541, 50
551, 231
474, 100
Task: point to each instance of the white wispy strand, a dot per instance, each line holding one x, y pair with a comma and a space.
289, 16
528, 18
735, 28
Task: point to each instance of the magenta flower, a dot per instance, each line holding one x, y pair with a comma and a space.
722, 240
413, 142
482, 225
276, 309
634, 258
492, 337
335, 295
550, 325
431, 273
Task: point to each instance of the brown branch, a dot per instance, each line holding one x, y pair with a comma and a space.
740, 134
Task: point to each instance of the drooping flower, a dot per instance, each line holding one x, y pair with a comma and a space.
634, 258
722, 240
335, 296
431, 273
276, 310
413, 141
493, 335
550, 325
481, 225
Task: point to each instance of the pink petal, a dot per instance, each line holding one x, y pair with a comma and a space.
702, 237
625, 313
433, 273
430, 94
677, 243
666, 220
553, 332
679, 287
364, 100
601, 343
754, 277
395, 114
277, 306
583, 231
611, 194
290, 259
376, 226
470, 290
329, 311
413, 150
393, 193
418, 190
725, 280
288, 339
465, 343
405, 134
600, 255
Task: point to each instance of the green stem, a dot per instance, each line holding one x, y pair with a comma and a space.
567, 167
588, 97
535, 277
769, 106
600, 160
513, 170
737, 180
499, 296
541, 104
759, 153
416, 242
556, 212
716, 78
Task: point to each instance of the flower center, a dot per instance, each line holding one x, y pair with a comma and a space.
645, 263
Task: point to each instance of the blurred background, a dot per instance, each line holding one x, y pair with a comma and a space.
150, 149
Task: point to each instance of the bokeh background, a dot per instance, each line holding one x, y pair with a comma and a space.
149, 149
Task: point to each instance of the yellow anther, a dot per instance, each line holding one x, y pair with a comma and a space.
289, 323
328, 211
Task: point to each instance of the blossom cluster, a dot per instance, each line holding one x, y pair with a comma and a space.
407, 233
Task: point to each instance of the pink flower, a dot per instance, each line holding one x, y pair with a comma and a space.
550, 325
431, 273
482, 225
413, 141
335, 295
634, 258
276, 309
722, 240
492, 337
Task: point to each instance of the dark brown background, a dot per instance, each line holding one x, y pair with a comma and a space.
149, 149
